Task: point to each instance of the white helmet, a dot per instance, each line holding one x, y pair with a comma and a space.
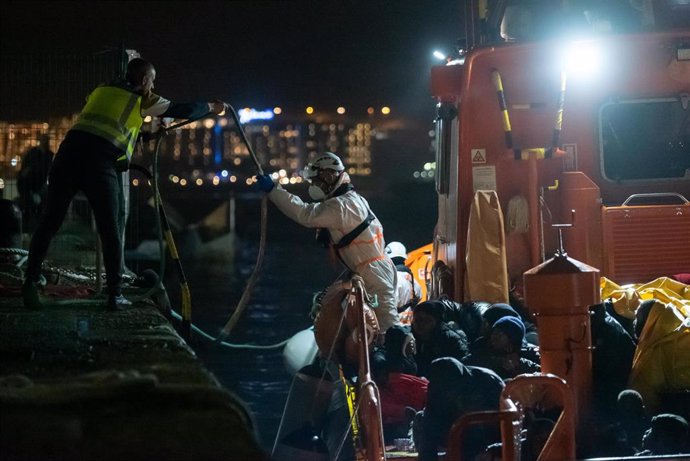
396, 250
327, 161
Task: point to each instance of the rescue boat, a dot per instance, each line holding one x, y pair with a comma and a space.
562, 172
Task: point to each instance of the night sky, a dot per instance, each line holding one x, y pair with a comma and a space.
257, 53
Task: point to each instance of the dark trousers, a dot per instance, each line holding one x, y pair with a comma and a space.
83, 163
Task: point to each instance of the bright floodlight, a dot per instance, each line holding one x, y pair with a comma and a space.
582, 59
438, 55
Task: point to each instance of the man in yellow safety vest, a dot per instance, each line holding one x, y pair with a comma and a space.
91, 157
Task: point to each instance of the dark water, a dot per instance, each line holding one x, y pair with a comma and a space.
295, 267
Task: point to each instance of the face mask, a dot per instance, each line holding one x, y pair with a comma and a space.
316, 193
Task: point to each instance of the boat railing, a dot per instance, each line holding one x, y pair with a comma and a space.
547, 390
369, 408
523, 392
510, 420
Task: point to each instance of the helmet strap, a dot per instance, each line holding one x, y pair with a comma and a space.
335, 189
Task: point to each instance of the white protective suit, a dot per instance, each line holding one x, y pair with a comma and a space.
364, 255
404, 290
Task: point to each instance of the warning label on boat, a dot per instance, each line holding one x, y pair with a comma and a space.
484, 178
478, 155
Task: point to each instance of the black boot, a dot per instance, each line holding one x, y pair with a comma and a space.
30, 295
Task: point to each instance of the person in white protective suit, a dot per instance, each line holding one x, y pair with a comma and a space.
345, 219
408, 291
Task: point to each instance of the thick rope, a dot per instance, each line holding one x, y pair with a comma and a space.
262, 242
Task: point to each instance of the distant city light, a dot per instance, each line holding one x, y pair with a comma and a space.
284, 145
439, 55
385, 110
248, 181
248, 114
147, 119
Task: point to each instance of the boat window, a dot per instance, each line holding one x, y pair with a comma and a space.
517, 23
645, 139
528, 20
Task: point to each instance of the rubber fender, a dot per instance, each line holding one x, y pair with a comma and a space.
300, 351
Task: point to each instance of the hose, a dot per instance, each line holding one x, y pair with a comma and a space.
164, 231
232, 345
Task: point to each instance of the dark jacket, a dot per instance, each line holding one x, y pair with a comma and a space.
443, 342
612, 356
455, 390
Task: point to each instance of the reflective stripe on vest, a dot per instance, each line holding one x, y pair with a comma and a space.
113, 114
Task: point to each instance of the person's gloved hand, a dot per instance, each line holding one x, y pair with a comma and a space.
264, 182
217, 106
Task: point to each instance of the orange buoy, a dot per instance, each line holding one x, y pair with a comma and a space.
335, 325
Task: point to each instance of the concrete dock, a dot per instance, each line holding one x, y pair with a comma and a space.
78, 382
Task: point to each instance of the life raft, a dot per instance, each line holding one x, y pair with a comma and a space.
335, 324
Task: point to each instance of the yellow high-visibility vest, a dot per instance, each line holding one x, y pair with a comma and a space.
113, 114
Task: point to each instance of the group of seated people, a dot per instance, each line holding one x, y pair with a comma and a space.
447, 359
453, 359
450, 360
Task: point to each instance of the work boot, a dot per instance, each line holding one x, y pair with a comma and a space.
30, 295
118, 303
